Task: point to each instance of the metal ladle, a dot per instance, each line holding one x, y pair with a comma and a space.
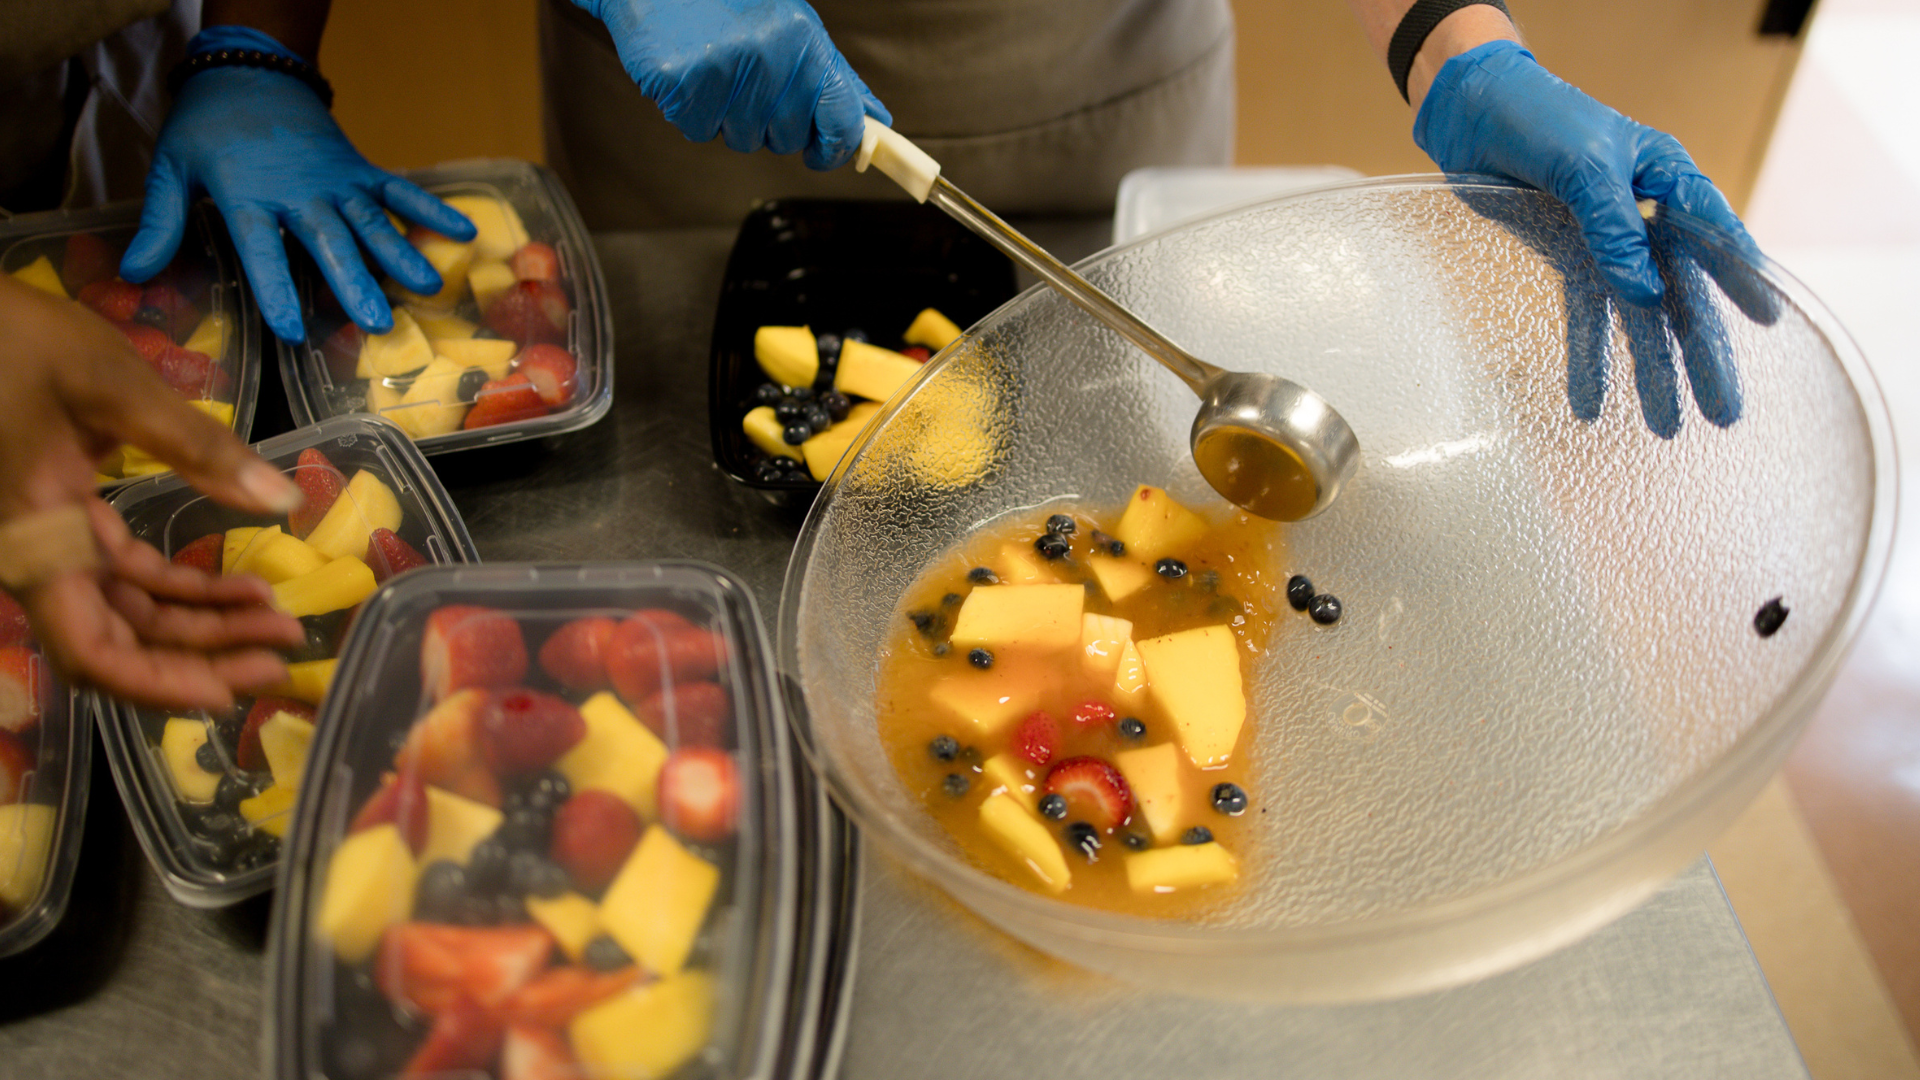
1266, 444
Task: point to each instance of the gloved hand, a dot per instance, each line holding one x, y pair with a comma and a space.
268, 152
759, 72
1493, 109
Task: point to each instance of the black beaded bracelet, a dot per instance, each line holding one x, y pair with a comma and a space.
285, 65
1412, 32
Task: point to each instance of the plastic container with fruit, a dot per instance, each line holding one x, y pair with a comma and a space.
518, 344
551, 830
211, 795
194, 322
46, 743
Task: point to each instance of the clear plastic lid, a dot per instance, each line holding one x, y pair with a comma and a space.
211, 795
519, 343
194, 322
46, 744
552, 824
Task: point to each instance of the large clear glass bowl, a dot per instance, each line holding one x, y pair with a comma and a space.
1547, 694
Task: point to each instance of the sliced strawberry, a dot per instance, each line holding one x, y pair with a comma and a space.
152, 344
388, 555
641, 657
535, 262
524, 731
1095, 791
1089, 713
181, 317
115, 300
321, 483
576, 654
553, 372
465, 1038
699, 793
471, 646
504, 401
537, 1053
194, 375
14, 628
341, 351
529, 312
22, 681
561, 993
203, 554
593, 832
443, 748
689, 714
402, 800
87, 259
248, 755
1036, 738
916, 352
430, 966
16, 769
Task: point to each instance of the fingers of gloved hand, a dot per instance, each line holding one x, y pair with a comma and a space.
698, 99
87, 641
319, 227
397, 257
1654, 375
263, 254
197, 627
766, 87
790, 121
1609, 217
1667, 174
422, 207
1705, 350
163, 221
839, 119
1589, 341
869, 104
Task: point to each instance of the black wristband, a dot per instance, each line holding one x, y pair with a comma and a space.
285, 65
1412, 32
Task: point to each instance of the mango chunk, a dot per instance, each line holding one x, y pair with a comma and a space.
491, 356
41, 275
931, 329
269, 811
498, 229
657, 902
1120, 578
647, 1033
488, 279
219, 410
306, 681
180, 743
572, 919
1038, 618
990, 700
212, 335
1154, 526
276, 556
448, 256
443, 326
788, 354
1153, 775
336, 586
824, 450
432, 406
1130, 677
26, 842
1194, 677
1166, 869
872, 372
237, 543
400, 351
618, 755
1019, 564
1014, 775
1024, 837
284, 739
366, 504
370, 880
455, 824
1103, 639
765, 431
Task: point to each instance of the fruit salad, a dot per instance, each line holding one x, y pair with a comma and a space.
37, 768
1066, 695
192, 333
530, 884
823, 390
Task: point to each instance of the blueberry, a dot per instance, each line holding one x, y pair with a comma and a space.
508, 908
1131, 727
1136, 841
1770, 618
471, 380
547, 791
1208, 579
1062, 524
605, 954
1299, 592
944, 748
955, 784
980, 575
473, 910
796, 433
836, 404
768, 394
1053, 806
525, 869
220, 825
443, 885
789, 410
1325, 609
1085, 837
828, 345
233, 788
980, 658
1113, 547
1052, 545
227, 734
802, 394
941, 648
207, 756
154, 317
1229, 799
1199, 834
766, 472
525, 829
856, 334
551, 881
487, 863
1170, 568
261, 850
952, 599
1223, 607
818, 418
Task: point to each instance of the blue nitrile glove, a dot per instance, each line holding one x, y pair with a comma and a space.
1493, 109
268, 152
758, 72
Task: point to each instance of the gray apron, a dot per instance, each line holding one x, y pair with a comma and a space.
1031, 106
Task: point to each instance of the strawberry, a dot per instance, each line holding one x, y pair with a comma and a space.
203, 554
561, 993
1095, 791
402, 800
471, 646
503, 401
152, 345
341, 351
181, 317
592, 834
699, 793
552, 370
688, 714
443, 748
88, 259
535, 262
321, 483
115, 300
248, 755
22, 681
529, 312
916, 352
16, 769
576, 654
641, 658
194, 375
14, 628
464, 1040
388, 555
523, 731
1088, 713
1036, 738
429, 966
537, 1053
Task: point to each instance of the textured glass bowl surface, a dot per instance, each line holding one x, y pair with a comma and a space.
1547, 693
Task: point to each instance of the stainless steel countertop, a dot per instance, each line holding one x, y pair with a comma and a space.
134, 985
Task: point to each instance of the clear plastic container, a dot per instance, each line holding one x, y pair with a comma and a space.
591, 854
210, 795
46, 745
194, 322
433, 389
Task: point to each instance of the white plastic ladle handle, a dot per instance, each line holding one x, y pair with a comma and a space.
907, 165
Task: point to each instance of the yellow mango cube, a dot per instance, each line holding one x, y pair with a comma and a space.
26, 843
572, 919
455, 824
498, 229
491, 356
788, 354
657, 902
1020, 564
336, 586
1027, 839
1194, 677
306, 681
400, 351
180, 743
1130, 677
269, 811
370, 880
277, 557
1014, 775
765, 431
1034, 618
990, 700
618, 755
488, 279
237, 543
647, 1033
1186, 866
1154, 526
41, 275
1153, 775
1103, 639
931, 329
212, 335
284, 740
443, 326
872, 372
366, 504
1120, 578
